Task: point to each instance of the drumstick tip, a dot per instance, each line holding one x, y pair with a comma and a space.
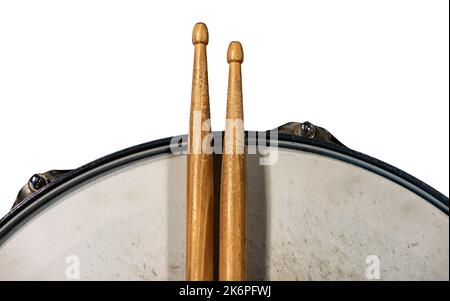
200, 34
235, 52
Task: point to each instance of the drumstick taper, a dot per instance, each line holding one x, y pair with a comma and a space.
199, 229
233, 228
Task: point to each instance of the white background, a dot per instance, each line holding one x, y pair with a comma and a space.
82, 79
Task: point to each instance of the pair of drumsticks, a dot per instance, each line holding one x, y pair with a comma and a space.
200, 203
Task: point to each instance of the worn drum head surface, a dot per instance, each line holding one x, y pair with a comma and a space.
310, 217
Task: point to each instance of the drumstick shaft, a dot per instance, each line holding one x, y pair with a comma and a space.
233, 243
200, 243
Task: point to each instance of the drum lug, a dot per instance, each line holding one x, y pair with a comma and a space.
37, 182
308, 130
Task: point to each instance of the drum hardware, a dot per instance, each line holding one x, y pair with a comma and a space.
37, 182
308, 130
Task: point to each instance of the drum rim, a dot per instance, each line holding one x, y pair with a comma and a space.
161, 146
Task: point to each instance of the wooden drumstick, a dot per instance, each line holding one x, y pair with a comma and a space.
199, 238
233, 228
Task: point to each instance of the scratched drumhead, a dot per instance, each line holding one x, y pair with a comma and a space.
314, 214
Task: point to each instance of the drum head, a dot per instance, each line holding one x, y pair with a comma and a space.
321, 212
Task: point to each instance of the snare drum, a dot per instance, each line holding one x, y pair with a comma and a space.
320, 212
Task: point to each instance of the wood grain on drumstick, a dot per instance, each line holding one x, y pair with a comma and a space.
233, 228
199, 230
